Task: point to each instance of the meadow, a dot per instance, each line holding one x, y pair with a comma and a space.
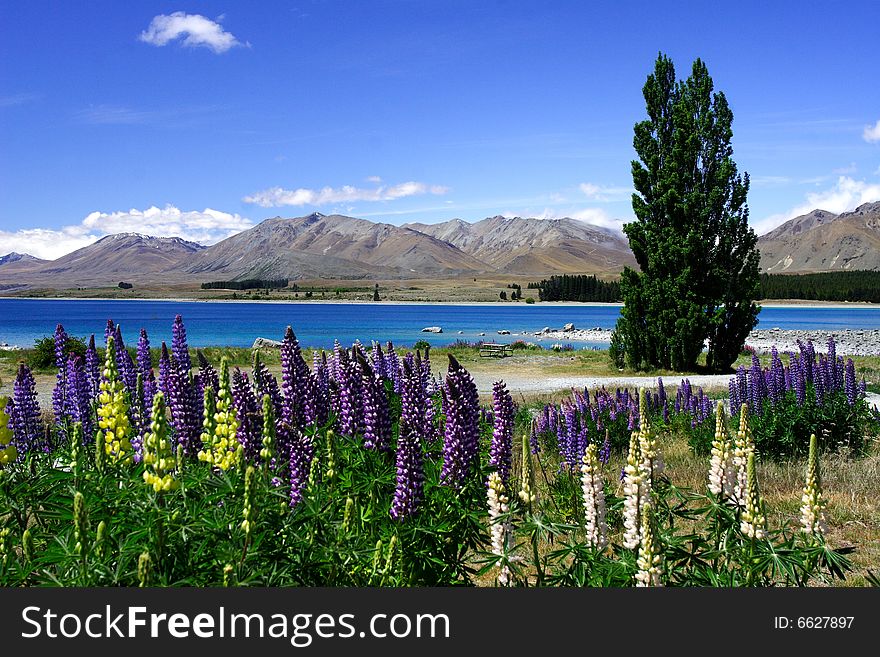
363, 466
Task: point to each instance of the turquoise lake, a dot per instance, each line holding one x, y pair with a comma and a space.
317, 324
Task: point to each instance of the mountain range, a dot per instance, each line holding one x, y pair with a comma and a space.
338, 247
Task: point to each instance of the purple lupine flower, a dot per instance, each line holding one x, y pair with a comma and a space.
78, 407
294, 378
377, 360
757, 387
819, 386
317, 402
186, 413
733, 393
796, 364
409, 489
249, 415
265, 384
207, 373
461, 437
125, 364
605, 452
501, 447
145, 369
849, 382
301, 455
351, 403
831, 366
179, 346
59, 393
393, 367
27, 427
164, 370
93, 369
377, 414
808, 355
426, 381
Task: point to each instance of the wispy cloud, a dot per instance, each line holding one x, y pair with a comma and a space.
206, 227
192, 30
168, 117
846, 195
604, 193
277, 196
17, 99
871, 133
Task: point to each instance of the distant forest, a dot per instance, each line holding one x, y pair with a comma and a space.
827, 286
249, 284
576, 288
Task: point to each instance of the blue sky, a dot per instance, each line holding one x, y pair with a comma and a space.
203, 118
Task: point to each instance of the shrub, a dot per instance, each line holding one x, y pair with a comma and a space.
42, 356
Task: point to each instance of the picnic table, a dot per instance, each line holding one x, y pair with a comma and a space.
494, 350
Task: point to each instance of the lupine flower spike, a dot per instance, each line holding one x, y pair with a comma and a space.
649, 561
593, 487
633, 485
722, 474
157, 450
113, 422
8, 452
742, 447
527, 491
499, 505
813, 508
753, 522
221, 447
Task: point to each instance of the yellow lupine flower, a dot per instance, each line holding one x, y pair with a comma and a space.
157, 450
220, 446
113, 411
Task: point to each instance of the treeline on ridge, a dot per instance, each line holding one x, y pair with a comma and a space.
249, 284
857, 285
576, 287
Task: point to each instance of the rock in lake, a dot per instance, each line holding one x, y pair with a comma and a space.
265, 343
568, 327
432, 329
503, 332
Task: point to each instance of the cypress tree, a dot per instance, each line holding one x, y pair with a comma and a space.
697, 254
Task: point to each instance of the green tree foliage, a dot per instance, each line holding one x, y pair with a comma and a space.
855, 285
249, 284
691, 238
576, 288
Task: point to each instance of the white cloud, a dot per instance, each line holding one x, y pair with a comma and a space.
374, 179
193, 30
872, 132
603, 193
278, 196
846, 195
206, 227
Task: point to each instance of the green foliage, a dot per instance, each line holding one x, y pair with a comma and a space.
42, 356
783, 429
577, 288
249, 284
697, 256
825, 286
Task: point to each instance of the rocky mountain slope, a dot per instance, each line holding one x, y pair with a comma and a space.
823, 241
536, 246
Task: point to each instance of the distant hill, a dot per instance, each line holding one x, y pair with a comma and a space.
130, 257
24, 258
339, 247
822, 241
334, 246
520, 246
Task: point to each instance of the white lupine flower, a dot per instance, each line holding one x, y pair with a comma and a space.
652, 460
593, 486
499, 505
753, 522
649, 561
722, 475
743, 446
633, 488
813, 508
